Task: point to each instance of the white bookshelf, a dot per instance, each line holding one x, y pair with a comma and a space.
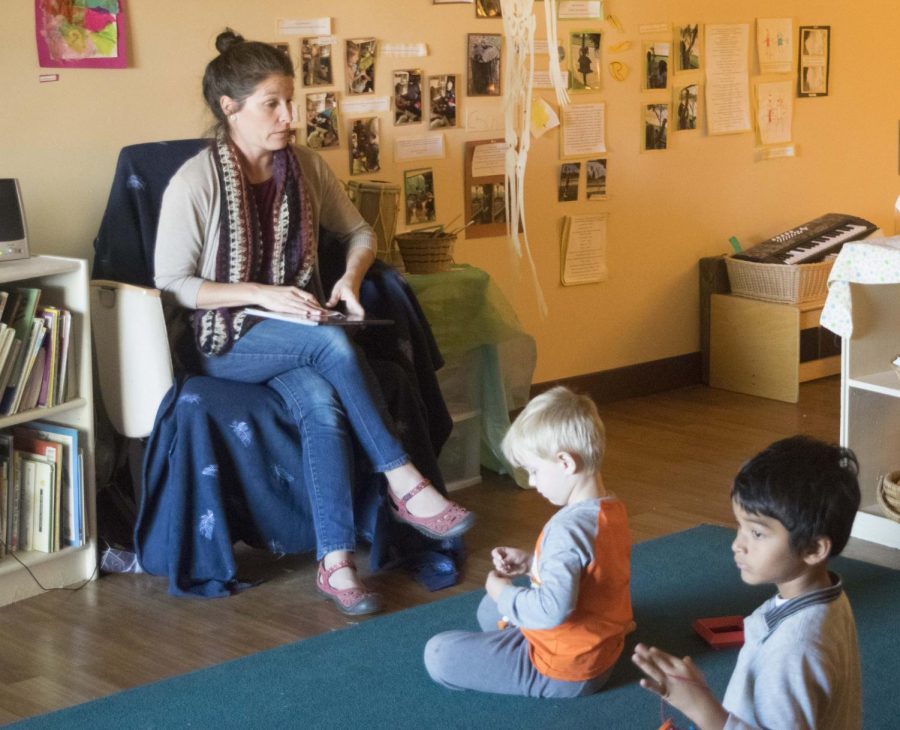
870, 402
63, 283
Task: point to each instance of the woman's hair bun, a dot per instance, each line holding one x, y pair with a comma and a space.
226, 39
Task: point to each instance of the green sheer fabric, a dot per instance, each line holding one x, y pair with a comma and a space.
474, 323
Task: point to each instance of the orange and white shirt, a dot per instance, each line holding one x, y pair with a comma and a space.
578, 609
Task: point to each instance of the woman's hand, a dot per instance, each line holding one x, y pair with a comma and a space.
509, 561
290, 300
346, 290
681, 684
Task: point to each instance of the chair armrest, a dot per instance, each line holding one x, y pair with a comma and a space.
134, 364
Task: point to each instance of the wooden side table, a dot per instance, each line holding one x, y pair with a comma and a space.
768, 349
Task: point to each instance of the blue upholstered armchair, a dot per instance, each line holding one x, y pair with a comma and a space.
223, 459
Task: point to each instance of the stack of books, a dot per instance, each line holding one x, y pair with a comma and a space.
34, 347
41, 488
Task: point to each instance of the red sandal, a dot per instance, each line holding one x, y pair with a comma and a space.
452, 521
349, 601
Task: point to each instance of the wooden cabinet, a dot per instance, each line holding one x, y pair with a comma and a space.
63, 283
768, 349
870, 401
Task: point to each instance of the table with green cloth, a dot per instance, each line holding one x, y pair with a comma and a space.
473, 321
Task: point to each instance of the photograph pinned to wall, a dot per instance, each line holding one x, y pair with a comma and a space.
365, 153
442, 101
484, 188
584, 61
688, 37
569, 175
655, 119
86, 34
488, 9
407, 96
322, 121
656, 65
595, 186
418, 187
360, 66
815, 43
483, 56
315, 61
686, 99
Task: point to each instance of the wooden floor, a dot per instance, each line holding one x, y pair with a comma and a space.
670, 458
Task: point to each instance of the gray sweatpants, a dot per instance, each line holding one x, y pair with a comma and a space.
495, 660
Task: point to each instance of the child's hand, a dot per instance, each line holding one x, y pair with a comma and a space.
681, 684
495, 583
510, 561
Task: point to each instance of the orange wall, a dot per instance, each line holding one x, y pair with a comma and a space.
665, 209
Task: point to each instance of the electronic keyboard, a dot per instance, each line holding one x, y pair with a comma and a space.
811, 241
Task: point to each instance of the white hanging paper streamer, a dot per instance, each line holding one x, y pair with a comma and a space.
518, 77
562, 96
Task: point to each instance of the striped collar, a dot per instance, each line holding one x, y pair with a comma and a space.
774, 616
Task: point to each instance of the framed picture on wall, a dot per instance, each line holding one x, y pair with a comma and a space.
407, 96
315, 61
442, 101
418, 187
483, 55
595, 188
815, 43
488, 9
569, 175
656, 65
584, 61
322, 120
688, 40
655, 120
687, 99
365, 142
360, 66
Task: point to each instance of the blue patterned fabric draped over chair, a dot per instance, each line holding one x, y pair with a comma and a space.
223, 463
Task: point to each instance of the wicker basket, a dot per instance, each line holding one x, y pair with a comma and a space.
426, 252
786, 283
887, 493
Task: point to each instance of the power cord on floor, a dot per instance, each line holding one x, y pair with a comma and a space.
38, 583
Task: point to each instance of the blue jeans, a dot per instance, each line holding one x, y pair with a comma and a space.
325, 382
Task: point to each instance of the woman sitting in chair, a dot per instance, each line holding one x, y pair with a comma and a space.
238, 228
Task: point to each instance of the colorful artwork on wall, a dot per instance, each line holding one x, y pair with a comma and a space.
80, 33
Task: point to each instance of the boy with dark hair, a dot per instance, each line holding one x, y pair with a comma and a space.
799, 667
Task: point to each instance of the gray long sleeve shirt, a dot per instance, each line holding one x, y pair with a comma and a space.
799, 666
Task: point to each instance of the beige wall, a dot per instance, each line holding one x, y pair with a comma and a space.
666, 209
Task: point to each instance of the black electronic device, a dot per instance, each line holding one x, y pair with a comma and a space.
13, 232
811, 241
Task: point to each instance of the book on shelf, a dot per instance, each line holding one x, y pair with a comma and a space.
71, 483
43, 526
25, 481
70, 490
15, 389
44, 451
5, 469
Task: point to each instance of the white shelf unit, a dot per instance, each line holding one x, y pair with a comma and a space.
870, 402
63, 283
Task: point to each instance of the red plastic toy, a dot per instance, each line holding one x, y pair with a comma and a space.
722, 632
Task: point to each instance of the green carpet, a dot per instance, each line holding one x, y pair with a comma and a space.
378, 664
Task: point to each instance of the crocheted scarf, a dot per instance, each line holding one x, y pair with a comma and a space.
242, 255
